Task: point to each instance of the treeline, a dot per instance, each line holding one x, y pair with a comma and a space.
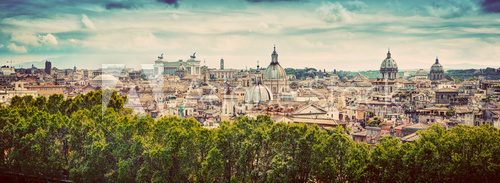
80, 140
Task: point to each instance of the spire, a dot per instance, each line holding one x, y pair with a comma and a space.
274, 56
437, 60
389, 53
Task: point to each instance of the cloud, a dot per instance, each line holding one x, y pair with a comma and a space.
334, 12
174, 3
491, 6
25, 38
117, 5
138, 4
29, 39
87, 23
15, 48
1, 45
73, 41
244, 27
48, 39
259, 1
355, 5
452, 8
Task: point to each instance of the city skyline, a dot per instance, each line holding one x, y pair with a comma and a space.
345, 35
249, 91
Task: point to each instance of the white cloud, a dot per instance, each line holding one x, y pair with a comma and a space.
74, 41
48, 39
29, 39
16, 48
25, 38
1, 46
54, 24
246, 35
334, 12
87, 23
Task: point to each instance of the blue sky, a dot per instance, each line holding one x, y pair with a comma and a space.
345, 34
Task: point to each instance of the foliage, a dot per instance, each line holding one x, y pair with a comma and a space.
375, 121
79, 139
450, 112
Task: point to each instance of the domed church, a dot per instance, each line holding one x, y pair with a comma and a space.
258, 94
274, 76
437, 72
389, 68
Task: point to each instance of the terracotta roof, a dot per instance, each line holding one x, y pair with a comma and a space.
417, 126
410, 138
447, 90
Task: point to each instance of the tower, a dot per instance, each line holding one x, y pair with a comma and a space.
221, 64
48, 67
274, 57
229, 102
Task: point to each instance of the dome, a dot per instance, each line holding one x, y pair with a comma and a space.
421, 72
389, 62
274, 71
105, 81
359, 78
436, 67
258, 94
209, 98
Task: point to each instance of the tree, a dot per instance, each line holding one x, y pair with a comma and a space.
375, 121
82, 140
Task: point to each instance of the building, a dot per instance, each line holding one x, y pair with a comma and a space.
221, 64
47, 90
446, 95
221, 74
19, 90
189, 67
389, 68
229, 103
7, 70
437, 72
48, 67
274, 76
420, 75
258, 94
7, 76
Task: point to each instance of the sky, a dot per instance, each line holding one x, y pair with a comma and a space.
323, 34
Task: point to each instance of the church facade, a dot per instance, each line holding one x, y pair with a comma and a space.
274, 76
437, 72
388, 70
